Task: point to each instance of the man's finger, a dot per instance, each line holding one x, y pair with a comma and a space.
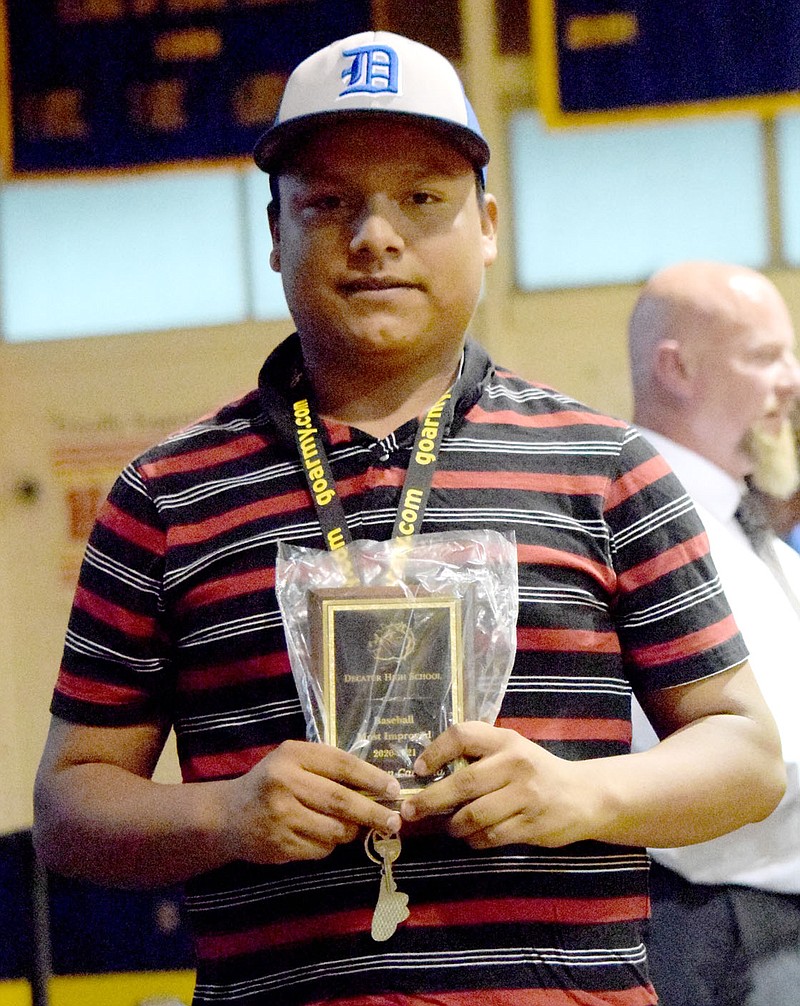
464, 785
464, 740
486, 812
349, 770
340, 799
345, 804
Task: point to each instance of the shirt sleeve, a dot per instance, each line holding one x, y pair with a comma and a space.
674, 621
116, 668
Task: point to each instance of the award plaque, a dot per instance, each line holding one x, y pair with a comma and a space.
390, 670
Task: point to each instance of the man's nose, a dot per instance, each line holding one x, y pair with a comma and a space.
791, 375
376, 228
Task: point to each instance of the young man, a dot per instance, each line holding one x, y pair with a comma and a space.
715, 377
525, 870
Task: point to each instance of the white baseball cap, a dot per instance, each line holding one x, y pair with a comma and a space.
374, 72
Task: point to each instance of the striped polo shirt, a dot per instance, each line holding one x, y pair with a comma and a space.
175, 614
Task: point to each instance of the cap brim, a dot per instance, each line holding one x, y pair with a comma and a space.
283, 139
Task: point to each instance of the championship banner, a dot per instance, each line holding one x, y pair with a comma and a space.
108, 85
599, 61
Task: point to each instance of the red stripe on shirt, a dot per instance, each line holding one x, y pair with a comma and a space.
504, 997
550, 420
113, 614
192, 534
125, 526
89, 690
572, 485
679, 555
210, 457
337, 432
535, 729
542, 556
686, 646
270, 665
547, 482
562, 911
218, 766
567, 640
225, 587
635, 480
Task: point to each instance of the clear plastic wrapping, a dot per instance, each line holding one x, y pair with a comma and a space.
391, 642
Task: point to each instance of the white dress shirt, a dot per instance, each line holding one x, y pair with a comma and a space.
765, 855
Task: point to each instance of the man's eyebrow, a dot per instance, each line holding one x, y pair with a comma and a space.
312, 176
400, 173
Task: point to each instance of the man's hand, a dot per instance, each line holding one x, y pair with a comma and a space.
718, 766
302, 800
512, 790
101, 817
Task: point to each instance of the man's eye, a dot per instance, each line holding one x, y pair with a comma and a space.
766, 357
423, 198
327, 202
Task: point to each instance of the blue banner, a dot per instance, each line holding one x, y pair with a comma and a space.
99, 85
605, 59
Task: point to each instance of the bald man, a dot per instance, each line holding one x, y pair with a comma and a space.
714, 378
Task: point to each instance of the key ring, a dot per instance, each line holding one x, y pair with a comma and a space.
370, 837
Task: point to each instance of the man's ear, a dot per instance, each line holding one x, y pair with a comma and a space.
673, 368
489, 229
273, 219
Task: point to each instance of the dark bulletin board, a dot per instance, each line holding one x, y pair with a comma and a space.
606, 60
104, 85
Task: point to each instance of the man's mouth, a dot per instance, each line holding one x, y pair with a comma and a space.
377, 284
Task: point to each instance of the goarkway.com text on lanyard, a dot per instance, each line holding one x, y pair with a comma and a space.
321, 484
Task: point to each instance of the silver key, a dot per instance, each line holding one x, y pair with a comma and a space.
392, 906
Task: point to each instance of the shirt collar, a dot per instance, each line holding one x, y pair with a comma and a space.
707, 483
282, 375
